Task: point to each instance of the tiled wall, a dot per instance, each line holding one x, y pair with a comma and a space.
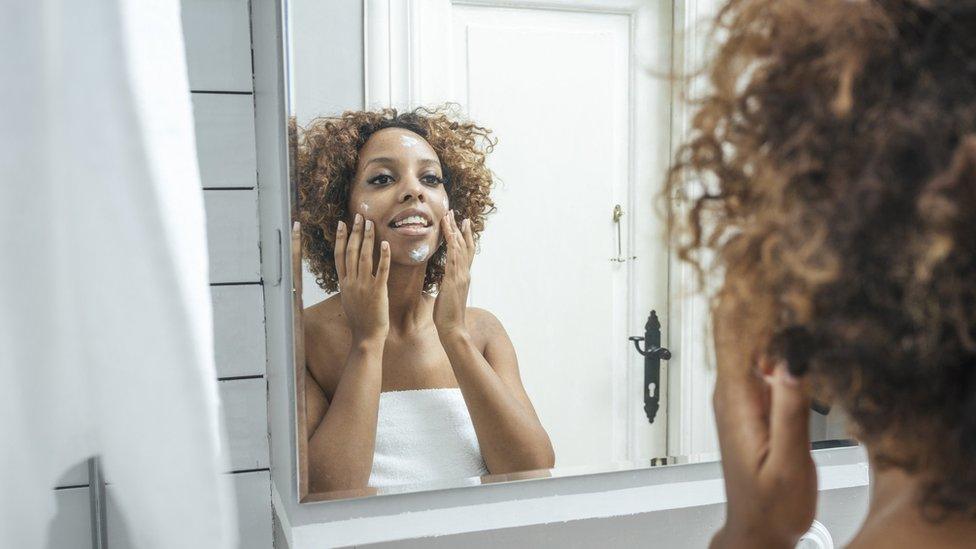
218, 45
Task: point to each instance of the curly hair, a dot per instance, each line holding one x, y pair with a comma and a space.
327, 152
830, 184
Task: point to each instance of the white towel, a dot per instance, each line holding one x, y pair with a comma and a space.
424, 435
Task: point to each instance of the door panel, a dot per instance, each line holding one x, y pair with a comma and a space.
554, 91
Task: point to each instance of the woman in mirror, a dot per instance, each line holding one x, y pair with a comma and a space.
836, 155
405, 385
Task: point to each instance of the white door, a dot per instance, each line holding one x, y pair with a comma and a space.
582, 128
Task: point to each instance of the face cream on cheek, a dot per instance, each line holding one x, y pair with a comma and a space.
419, 254
446, 204
408, 141
364, 207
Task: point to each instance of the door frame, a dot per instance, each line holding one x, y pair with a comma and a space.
691, 425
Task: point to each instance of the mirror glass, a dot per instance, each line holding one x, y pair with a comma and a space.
548, 329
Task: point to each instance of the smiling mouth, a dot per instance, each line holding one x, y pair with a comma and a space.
414, 225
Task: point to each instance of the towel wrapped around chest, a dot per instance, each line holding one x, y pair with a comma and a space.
423, 435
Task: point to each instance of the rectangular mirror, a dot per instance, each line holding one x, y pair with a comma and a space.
582, 346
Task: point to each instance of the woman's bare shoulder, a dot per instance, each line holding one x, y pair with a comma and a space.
482, 318
484, 327
327, 311
326, 339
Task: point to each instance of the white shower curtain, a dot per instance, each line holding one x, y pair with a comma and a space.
105, 321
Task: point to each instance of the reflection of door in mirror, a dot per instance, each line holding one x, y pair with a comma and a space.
582, 130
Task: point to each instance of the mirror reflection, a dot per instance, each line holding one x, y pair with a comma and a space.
487, 286
408, 382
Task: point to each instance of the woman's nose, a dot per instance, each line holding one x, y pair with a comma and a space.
412, 189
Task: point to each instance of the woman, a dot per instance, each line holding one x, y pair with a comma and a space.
404, 386
838, 154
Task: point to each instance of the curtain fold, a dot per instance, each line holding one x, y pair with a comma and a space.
106, 343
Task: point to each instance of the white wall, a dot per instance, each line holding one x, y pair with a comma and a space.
327, 57
327, 73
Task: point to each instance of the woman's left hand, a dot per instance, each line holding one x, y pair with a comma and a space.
452, 294
763, 419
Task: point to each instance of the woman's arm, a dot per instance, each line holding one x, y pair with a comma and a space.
316, 404
341, 447
762, 414
508, 429
509, 432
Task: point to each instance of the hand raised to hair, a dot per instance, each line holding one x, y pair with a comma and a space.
452, 292
763, 431
364, 295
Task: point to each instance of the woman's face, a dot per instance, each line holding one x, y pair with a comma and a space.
399, 186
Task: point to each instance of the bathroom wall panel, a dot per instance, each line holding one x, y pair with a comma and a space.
245, 410
253, 491
225, 139
252, 495
232, 236
239, 344
217, 34
71, 526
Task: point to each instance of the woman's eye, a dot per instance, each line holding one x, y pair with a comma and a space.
432, 180
380, 180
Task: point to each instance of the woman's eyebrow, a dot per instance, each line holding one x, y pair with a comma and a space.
380, 160
388, 160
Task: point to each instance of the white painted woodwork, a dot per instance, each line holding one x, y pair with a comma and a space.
239, 343
232, 236
545, 512
253, 501
683, 528
253, 492
77, 475
217, 34
225, 139
691, 422
71, 526
244, 405
582, 127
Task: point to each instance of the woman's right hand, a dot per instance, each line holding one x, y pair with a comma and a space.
363, 295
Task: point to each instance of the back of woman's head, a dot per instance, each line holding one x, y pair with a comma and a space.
837, 156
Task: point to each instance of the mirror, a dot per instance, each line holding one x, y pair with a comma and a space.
561, 336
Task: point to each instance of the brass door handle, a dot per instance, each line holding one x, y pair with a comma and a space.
618, 213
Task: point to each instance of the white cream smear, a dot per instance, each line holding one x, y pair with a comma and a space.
408, 141
419, 253
445, 203
364, 207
